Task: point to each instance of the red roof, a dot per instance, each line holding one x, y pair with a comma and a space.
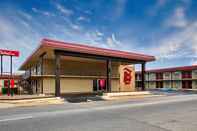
96, 51
173, 69
79, 48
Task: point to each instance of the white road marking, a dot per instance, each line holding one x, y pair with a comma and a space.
16, 118
110, 107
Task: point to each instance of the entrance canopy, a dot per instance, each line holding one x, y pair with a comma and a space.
57, 50
47, 48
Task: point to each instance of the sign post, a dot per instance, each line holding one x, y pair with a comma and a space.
8, 84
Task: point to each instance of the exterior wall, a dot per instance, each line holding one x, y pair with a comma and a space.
48, 85
71, 85
48, 67
115, 85
176, 79
152, 84
194, 84
80, 69
176, 75
146, 85
36, 83
67, 85
194, 74
167, 84
75, 85
177, 84
77, 76
152, 76
166, 75
77, 68
146, 77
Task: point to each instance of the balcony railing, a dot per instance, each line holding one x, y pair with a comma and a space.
186, 75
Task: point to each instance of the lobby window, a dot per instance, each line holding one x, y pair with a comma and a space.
99, 85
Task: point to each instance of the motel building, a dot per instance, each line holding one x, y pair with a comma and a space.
61, 68
176, 77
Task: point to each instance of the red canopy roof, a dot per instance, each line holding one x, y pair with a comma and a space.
95, 50
79, 48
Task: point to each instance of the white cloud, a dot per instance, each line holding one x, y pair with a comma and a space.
26, 15
82, 18
64, 10
182, 44
94, 38
193, 62
10, 34
35, 10
98, 33
88, 12
178, 19
112, 41
75, 27
46, 13
14, 36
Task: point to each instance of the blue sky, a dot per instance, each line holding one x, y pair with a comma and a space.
164, 28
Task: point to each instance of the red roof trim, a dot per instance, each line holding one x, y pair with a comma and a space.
90, 50
34, 52
95, 50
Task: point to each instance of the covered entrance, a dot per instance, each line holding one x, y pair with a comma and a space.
69, 68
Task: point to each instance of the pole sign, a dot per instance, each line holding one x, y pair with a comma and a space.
9, 52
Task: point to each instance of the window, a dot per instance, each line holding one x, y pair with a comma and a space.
167, 75
159, 76
195, 73
99, 85
39, 69
176, 75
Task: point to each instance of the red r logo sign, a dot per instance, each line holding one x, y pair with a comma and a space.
127, 76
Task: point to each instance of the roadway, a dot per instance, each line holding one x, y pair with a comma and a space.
174, 112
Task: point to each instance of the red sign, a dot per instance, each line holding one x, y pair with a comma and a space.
127, 76
6, 83
9, 52
12, 83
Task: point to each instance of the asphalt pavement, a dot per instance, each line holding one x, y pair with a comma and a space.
175, 112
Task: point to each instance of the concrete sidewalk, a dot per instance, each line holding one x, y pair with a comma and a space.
24, 97
39, 101
30, 102
6, 105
